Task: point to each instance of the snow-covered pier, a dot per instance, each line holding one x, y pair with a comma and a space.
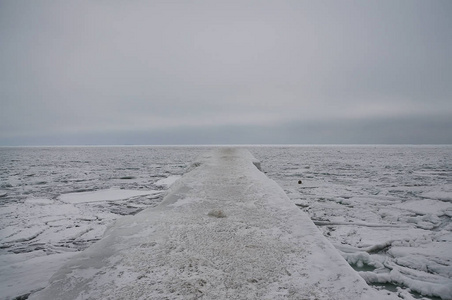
224, 231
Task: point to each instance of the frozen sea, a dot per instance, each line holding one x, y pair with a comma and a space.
386, 209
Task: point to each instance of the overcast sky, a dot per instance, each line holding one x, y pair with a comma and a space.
203, 72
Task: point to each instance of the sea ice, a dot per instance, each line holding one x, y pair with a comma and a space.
223, 231
40, 234
444, 195
112, 194
371, 202
426, 206
168, 181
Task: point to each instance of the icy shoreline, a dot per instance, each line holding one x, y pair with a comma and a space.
386, 209
224, 231
50, 232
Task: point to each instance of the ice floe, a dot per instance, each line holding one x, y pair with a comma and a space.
113, 194
426, 206
167, 182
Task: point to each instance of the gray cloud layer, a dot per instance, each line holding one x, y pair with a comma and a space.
190, 72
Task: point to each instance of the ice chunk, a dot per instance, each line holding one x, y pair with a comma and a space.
39, 201
426, 206
167, 182
440, 195
17, 278
104, 195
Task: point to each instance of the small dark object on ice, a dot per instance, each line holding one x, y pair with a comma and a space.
217, 214
300, 182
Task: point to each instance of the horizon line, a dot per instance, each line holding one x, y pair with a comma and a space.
219, 145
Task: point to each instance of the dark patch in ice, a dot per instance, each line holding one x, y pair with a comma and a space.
22, 297
125, 211
363, 267
28, 248
257, 164
193, 166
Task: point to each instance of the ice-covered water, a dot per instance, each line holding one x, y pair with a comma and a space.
387, 209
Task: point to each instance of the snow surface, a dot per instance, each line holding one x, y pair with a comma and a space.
224, 231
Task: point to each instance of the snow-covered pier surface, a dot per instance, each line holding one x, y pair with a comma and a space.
224, 231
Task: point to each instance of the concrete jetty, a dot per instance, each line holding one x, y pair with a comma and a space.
223, 231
